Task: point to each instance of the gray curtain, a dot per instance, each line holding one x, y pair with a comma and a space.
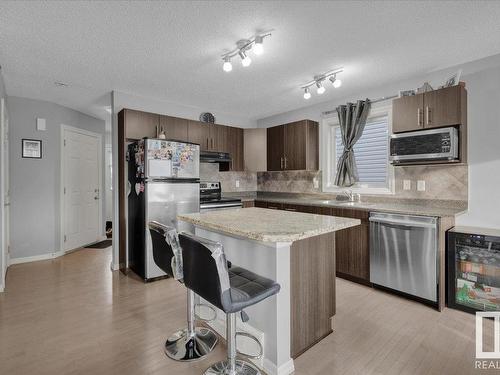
352, 120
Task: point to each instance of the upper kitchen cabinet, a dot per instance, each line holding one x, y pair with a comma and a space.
235, 147
138, 124
199, 132
293, 146
433, 109
408, 113
174, 127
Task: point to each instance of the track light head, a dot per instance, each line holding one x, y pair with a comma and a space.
307, 94
335, 82
245, 60
258, 47
321, 89
227, 66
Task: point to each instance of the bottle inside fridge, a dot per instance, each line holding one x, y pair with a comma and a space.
474, 271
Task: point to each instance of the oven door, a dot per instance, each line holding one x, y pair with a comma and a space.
434, 144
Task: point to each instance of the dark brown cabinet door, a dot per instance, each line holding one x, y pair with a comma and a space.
199, 132
140, 124
295, 146
218, 138
353, 251
261, 204
234, 145
174, 127
275, 148
443, 107
408, 113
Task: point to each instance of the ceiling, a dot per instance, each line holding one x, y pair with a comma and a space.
171, 50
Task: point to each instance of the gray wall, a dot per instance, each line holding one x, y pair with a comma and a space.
35, 183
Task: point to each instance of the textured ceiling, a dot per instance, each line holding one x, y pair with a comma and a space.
171, 50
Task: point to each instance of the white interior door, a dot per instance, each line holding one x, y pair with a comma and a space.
81, 190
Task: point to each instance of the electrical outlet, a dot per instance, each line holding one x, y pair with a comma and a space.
40, 124
421, 185
237, 182
406, 184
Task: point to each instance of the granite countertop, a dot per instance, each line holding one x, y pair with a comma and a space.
268, 225
425, 208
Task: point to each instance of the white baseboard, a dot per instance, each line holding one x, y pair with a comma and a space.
285, 369
36, 258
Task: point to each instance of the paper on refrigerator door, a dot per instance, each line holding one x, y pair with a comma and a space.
159, 168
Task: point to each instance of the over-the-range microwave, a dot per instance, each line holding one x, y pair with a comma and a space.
424, 145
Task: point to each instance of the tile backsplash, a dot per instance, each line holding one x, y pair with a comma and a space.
247, 180
444, 182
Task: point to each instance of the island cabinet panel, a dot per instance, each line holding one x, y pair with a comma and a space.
312, 291
174, 127
139, 124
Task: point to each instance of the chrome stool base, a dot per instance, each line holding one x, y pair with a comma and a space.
242, 368
181, 347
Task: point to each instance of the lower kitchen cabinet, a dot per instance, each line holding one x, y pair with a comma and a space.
352, 244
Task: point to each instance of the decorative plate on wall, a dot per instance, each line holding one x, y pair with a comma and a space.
207, 117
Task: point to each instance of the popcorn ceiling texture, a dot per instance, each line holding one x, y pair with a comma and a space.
444, 182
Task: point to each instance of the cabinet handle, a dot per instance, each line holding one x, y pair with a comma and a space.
290, 209
286, 159
428, 115
212, 143
207, 143
418, 116
281, 163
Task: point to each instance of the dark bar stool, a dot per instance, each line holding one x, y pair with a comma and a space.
191, 343
231, 290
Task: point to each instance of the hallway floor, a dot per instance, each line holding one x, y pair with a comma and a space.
72, 315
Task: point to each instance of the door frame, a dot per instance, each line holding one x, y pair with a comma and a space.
69, 128
4, 193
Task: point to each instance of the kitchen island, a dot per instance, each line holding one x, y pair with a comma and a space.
298, 251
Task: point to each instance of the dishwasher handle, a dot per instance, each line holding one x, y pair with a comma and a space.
405, 223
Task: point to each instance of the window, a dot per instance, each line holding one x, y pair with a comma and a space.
371, 152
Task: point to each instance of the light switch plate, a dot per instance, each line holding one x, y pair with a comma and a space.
40, 124
316, 183
421, 185
406, 184
237, 182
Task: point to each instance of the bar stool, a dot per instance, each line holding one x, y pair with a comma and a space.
231, 290
191, 343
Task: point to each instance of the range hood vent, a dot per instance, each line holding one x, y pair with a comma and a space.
214, 157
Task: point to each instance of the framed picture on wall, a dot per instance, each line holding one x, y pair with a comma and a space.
32, 148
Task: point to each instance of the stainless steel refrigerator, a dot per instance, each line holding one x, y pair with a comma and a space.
163, 181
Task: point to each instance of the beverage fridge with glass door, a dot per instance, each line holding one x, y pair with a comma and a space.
473, 269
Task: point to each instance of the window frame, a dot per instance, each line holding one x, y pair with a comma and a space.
328, 155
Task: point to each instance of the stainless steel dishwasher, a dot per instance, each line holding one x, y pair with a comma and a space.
404, 254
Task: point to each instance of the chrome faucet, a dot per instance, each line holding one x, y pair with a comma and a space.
351, 197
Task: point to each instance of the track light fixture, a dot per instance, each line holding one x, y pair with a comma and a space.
307, 94
227, 66
318, 81
254, 44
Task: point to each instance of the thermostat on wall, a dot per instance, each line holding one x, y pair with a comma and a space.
40, 124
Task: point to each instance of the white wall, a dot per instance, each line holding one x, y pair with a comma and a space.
35, 183
3, 235
482, 78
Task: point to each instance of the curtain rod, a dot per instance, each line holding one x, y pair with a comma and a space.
383, 98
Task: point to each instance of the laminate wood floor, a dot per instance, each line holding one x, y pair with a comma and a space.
72, 315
